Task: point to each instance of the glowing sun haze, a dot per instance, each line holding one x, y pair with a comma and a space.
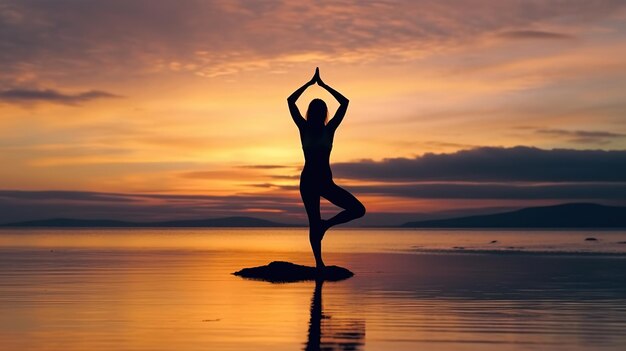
169, 109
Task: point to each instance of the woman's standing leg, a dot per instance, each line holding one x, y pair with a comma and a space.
311, 200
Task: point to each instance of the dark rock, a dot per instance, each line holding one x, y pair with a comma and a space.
591, 239
494, 242
284, 272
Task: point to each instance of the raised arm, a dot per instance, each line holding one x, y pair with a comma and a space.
291, 101
343, 105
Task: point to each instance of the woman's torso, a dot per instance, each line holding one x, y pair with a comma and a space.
317, 145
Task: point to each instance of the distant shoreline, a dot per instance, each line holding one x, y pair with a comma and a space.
399, 228
585, 216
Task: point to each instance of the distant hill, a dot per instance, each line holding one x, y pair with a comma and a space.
105, 223
576, 215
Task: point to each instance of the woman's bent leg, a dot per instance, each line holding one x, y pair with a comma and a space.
353, 208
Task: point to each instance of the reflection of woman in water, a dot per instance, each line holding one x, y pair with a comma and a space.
316, 180
326, 333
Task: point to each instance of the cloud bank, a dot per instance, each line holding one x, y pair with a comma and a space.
535, 34
495, 164
51, 95
500, 175
213, 38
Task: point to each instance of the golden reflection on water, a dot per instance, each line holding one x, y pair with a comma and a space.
76, 299
68, 292
295, 239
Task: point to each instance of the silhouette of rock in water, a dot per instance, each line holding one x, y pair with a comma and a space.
284, 272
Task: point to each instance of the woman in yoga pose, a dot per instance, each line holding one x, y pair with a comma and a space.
316, 180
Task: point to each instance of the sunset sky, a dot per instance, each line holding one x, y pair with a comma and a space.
158, 110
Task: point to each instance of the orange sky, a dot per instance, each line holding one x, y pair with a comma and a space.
186, 97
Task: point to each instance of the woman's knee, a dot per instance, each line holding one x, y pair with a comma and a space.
358, 210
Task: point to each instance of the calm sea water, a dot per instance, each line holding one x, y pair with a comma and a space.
172, 289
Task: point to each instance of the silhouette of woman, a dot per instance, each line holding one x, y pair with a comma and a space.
316, 180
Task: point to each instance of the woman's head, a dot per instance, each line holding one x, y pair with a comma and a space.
317, 114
